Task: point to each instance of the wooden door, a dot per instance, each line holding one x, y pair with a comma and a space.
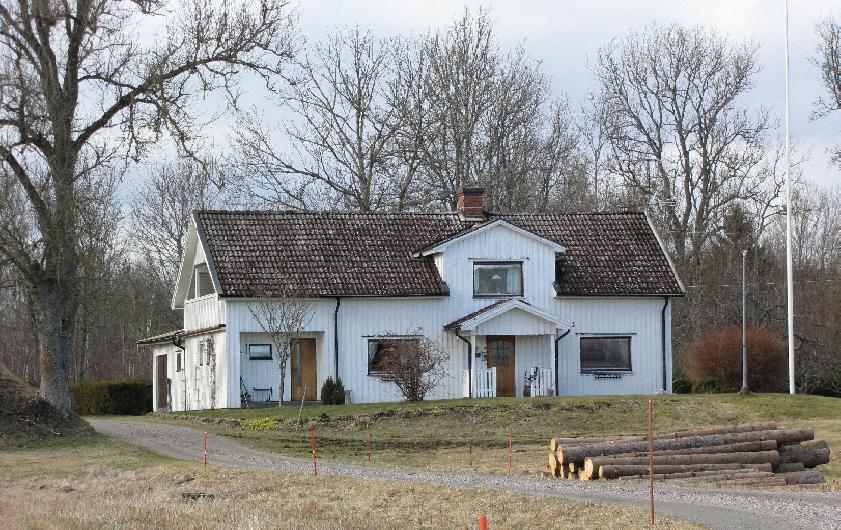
162, 382
501, 356
303, 369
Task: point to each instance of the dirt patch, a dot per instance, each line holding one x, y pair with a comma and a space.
26, 418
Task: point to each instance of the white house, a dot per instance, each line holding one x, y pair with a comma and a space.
541, 304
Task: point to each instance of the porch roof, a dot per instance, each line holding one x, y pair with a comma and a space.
496, 317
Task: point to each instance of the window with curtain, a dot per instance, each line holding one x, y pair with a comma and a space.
606, 354
498, 278
383, 350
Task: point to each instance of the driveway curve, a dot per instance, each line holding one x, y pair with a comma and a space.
730, 509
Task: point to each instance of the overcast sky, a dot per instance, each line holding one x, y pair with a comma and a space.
565, 36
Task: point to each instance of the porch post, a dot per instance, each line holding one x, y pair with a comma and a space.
470, 361
554, 351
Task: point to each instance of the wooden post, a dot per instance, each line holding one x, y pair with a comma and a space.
314, 462
510, 452
650, 465
205, 448
483, 523
369, 447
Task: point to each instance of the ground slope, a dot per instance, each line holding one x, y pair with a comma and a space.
25, 418
718, 509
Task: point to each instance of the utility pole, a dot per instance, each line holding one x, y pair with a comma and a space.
745, 389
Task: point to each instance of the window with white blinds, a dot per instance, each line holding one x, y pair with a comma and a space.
606, 354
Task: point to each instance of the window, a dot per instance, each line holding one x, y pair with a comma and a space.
498, 279
204, 284
191, 293
379, 350
178, 366
605, 354
260, 352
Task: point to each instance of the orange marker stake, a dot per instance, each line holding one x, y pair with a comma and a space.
314, 462
510, 452
483, 523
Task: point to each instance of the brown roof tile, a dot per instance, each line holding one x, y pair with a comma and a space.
348, 254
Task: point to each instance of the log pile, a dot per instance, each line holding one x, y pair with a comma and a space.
753, 454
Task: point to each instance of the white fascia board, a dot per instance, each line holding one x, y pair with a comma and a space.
497, 222
471, 324
665, 252
182, 283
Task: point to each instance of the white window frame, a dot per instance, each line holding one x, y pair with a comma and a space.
624, 336
522, 290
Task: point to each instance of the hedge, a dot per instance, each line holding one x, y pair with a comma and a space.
112, 397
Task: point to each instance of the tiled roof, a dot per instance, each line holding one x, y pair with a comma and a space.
350, 254
456, 324
163, 337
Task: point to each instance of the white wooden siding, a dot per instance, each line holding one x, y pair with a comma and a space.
364, 318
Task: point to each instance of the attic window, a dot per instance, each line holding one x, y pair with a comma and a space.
498, 279
204, 285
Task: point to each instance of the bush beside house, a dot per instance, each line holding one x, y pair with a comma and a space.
715, 361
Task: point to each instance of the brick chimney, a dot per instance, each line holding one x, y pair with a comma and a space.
471, 203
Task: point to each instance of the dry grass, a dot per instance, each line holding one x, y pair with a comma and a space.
151, 497
472, 435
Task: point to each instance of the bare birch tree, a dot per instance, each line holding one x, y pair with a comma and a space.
282, 316
342, 134
679, 135
78, 90
161, 210
828, 62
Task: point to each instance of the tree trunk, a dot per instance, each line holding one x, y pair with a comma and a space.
592, 465
745, 427
810, 455
609, 472
59, 308
578, 453
700, 476
764, 445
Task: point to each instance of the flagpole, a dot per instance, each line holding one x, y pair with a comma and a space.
789, 260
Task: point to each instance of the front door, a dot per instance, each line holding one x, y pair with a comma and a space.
162, 386
501, 356
303, 369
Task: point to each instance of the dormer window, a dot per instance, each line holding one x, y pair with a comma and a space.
497, 278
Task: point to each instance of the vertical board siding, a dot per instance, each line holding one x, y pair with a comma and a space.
205, 312
363, 318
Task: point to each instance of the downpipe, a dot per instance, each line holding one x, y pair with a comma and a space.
469, 365
557, 377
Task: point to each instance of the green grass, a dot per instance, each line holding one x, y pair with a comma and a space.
473, 434
74, 456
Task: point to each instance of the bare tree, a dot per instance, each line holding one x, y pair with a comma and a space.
282, 316
680, 138
342, 135
828, 62
77, 91
161, 210
414, 364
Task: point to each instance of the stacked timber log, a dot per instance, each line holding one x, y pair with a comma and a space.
753, 454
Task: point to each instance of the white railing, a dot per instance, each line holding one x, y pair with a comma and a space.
543, 382
481, 380
203, 313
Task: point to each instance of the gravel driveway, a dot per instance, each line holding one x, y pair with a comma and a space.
719, 508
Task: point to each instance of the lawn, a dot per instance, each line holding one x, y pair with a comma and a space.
87, 482
473, 434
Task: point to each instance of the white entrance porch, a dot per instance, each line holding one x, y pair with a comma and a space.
512, 345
